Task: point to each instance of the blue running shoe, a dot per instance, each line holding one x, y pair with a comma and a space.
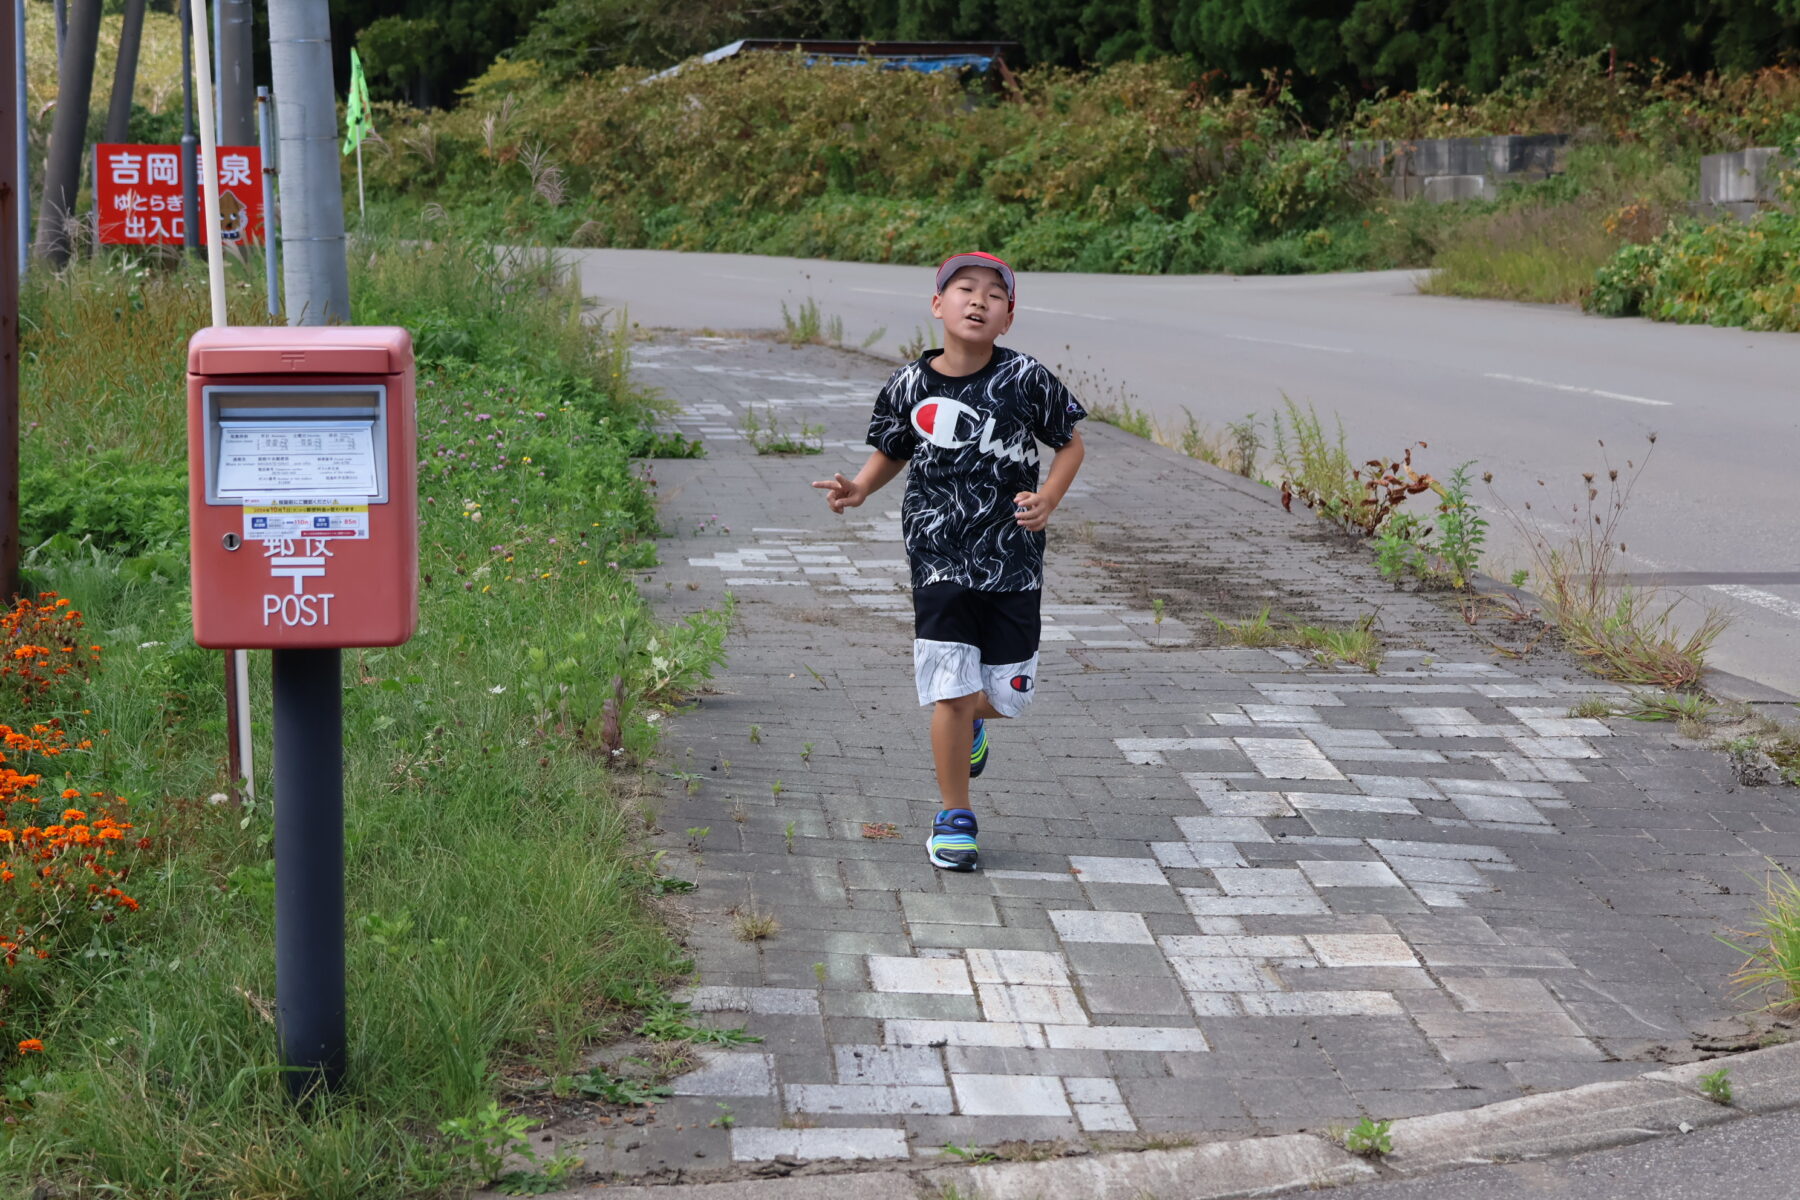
952, 841
978, 751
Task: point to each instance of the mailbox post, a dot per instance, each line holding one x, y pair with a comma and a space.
303, 501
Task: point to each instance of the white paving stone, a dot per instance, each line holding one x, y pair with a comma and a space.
963, 1033
1031, 1002
1553, 747
1262, 881
729, 1073
1248, 804
1388, 846
767, 1001
1287, 758
1437, 716
1096, 869
1321, 1004
1557, 723
925, 976
1166, 1040
872, 1100
1223, 829
1397, 785
1437, 870
1282, 714
1080, 925
1222, 975
1092, 1089
1010, 1096
1203, 904
1336, 802
890, 1065
1236, 946
1019, 966
749, 1144
1195, 855
1329, 738
1105, 1118
1500, 808
1350, 874
1361, 950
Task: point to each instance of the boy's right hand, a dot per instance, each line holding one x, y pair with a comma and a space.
841, 493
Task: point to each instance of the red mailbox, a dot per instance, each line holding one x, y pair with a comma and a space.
302, 487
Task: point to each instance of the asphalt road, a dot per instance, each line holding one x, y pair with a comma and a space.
1751, 1159
1526, 391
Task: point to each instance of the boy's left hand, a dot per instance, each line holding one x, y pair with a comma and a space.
1032, 510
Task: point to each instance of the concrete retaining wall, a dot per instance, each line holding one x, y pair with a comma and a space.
1743, 182
1445, 169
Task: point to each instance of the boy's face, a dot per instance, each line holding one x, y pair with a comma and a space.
973, 306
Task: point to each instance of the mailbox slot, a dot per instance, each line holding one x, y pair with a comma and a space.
273, 443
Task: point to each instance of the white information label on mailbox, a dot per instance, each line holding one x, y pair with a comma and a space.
284, 523
282, 460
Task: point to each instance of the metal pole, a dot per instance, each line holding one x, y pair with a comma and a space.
265, 139
209, 171
11, 256
22, 132
315, 270
309, 866
190, 166
235, 81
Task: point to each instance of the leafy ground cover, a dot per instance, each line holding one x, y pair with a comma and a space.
501, 909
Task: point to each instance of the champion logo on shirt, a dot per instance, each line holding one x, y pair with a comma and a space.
939, 419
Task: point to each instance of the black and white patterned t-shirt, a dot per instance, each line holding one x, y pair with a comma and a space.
972, 442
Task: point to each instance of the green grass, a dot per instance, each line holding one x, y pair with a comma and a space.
1771, 947
499, 902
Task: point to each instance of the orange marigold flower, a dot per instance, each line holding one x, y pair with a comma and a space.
71, 794
31, 1046
74, 814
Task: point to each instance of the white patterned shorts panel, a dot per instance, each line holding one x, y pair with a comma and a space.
950, 670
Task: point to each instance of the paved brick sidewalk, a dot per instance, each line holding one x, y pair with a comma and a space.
1226, 890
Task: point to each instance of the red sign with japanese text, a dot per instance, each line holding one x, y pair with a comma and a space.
138, 194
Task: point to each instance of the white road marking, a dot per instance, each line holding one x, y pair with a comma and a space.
1244, 337
883, 292
1063, 312
1758, 597
1585, 391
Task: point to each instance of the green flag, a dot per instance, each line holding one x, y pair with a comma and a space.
357, 123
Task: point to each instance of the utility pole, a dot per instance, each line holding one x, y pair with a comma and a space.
9, 333
131, 35
21, 235
237, 74
68, 132
315, 272
190, 142
309, 765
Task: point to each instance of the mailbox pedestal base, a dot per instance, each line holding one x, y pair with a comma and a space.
309, 866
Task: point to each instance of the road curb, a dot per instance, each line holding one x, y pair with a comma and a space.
1578, 1120
1574, 1121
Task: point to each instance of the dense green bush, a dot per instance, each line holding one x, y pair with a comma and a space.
1133, 168
1744, 273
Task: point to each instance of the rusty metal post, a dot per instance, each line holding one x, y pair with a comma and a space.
9, 330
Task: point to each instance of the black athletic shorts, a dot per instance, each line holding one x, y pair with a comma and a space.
967, 641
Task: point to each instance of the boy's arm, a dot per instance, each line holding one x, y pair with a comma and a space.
1035, 507
877, 473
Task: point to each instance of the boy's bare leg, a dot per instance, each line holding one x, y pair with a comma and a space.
952, 737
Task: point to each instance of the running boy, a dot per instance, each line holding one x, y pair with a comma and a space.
968, 419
